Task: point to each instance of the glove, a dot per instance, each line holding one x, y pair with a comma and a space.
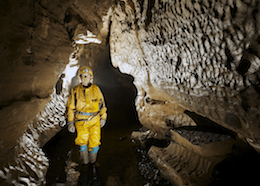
71, 127
102, 123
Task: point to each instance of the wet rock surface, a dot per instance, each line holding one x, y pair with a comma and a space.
188, 56
182, 164
26, 163
183, 57
197, 137
148, 170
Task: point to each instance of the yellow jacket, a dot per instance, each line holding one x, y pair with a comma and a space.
87, 100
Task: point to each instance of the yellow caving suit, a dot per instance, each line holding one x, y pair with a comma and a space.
83, 101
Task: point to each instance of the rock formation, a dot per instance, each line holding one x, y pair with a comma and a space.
195, 65
191, 56
41, 40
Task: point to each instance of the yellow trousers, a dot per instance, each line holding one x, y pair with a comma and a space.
88, 132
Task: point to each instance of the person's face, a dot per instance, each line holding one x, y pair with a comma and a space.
86, 79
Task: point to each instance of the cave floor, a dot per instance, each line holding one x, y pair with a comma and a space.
117, 158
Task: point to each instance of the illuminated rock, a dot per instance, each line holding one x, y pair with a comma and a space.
189, 56
189, 59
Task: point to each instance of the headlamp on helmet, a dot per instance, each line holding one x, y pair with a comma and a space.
85, 70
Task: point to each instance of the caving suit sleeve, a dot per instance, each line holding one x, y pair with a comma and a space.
71, 106
103, 108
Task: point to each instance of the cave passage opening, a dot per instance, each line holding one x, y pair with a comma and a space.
117, 157
207, 125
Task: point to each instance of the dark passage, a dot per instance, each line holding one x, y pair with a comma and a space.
117, 158
241, 168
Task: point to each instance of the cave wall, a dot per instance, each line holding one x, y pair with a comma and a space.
190, 57
36, 48
36, 39
185, 56
40, 40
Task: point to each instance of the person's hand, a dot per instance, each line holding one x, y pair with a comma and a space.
71, 127
102, 123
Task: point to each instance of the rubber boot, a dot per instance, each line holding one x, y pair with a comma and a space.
95, 175
93, 168
84, 168
84, 174
94, 180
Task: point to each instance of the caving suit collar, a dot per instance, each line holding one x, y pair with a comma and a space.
89, 85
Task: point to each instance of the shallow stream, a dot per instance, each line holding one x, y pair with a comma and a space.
120, 161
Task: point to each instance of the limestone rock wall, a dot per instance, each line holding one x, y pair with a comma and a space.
190, 56
195, 55
36, 42
36, 49
39, 42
